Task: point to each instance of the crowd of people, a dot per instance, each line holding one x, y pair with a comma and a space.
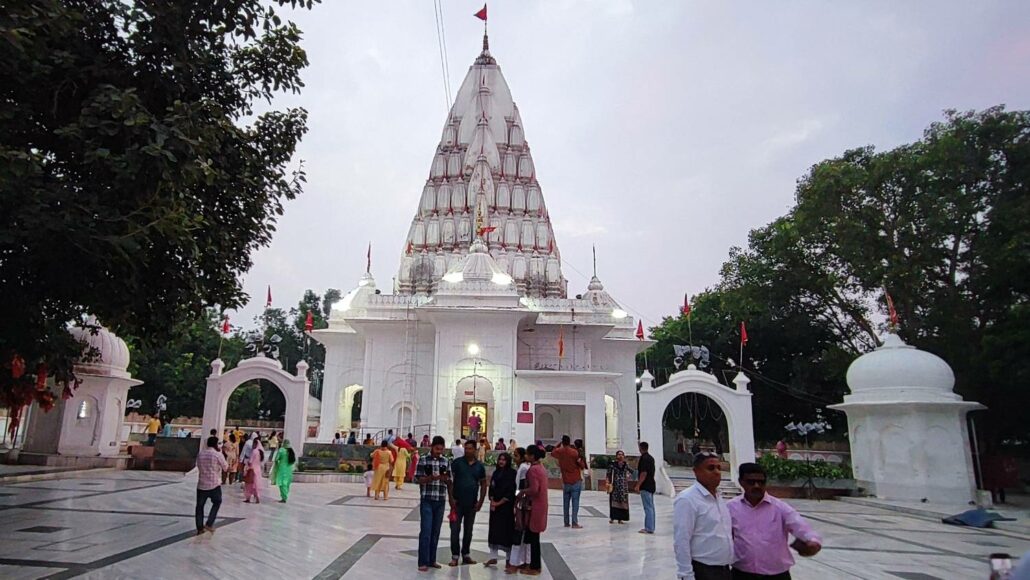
224, 460
714, 539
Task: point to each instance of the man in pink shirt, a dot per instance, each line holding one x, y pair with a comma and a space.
761, 524
210, 465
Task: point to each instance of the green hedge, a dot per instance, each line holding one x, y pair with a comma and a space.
791, 469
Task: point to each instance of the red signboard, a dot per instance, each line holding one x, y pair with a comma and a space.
525, 405
524, 418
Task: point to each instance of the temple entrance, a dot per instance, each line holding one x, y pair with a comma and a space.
479, 410
475, 395
553, 421
294, 390
693, 423
732, 403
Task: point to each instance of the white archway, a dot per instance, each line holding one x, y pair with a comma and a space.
345, 418
735, 403
294, 388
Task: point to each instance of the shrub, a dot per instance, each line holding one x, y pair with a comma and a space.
790, 469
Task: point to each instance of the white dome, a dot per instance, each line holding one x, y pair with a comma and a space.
112, 354
477, 266
896, 365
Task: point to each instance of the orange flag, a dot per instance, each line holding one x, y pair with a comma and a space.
561, 342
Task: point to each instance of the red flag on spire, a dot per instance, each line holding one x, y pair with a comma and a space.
268, 301
743, 334
481, 14
225, 325
685, 309
561, 342
640, 330
891, 312
309, 322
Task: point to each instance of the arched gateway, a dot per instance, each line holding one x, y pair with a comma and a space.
735, 403
294, 388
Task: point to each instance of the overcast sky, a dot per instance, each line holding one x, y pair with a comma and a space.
662, 132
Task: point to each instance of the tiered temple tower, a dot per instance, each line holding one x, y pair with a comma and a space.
483, 159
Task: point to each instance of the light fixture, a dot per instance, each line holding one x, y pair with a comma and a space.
473, 349
619, 313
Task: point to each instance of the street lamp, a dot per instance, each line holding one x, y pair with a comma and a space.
473, 349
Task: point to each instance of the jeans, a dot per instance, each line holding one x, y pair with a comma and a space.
151, 439
571, 491
215, 495
431, 512
466, 519
647, 499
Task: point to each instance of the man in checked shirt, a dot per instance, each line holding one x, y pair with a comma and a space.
434, 477
210, 465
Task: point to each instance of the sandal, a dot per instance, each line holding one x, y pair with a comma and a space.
467, 560
490, 562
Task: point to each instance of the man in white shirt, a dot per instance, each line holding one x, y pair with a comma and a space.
702, 528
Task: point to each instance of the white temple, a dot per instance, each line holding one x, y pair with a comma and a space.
479, 321
908, 432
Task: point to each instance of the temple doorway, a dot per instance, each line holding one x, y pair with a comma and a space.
478, 409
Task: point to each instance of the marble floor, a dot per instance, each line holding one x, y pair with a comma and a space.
140, 525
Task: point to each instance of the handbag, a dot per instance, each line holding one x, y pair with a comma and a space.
523, 511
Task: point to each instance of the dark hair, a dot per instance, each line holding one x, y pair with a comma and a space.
389, 431
232, 437
471, 442
214, 432
383, 443
565, 440
438, 440
212, 441
534, 452
337, 435
500, 439
371, 467
410, 435
749, 469
507, 459
644, 446
520, 451
578, 443
291, 457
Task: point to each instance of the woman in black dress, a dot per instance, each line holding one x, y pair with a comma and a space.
502, 504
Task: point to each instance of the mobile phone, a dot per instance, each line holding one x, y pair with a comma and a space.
1001, 566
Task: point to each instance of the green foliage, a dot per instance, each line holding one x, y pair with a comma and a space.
601, 461
136, 178
179, 367
777, 468
942, 223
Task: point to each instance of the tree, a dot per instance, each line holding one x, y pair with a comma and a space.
179, 368
136, 177
943, 224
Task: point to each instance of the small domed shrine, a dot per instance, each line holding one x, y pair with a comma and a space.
480, 322
907, 428
89, 423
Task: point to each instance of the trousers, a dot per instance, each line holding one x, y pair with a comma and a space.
570, 494
461, 529
215, 495
430, 520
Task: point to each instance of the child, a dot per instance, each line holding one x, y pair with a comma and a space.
369, 474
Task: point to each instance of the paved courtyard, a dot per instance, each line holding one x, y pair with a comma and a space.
140, 525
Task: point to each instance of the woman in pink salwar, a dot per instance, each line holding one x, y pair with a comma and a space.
252, 479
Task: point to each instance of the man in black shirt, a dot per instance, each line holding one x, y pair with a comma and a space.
646, 487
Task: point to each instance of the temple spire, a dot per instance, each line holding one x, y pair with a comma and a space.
593, 248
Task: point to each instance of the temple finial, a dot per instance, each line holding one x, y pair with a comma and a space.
593, 248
